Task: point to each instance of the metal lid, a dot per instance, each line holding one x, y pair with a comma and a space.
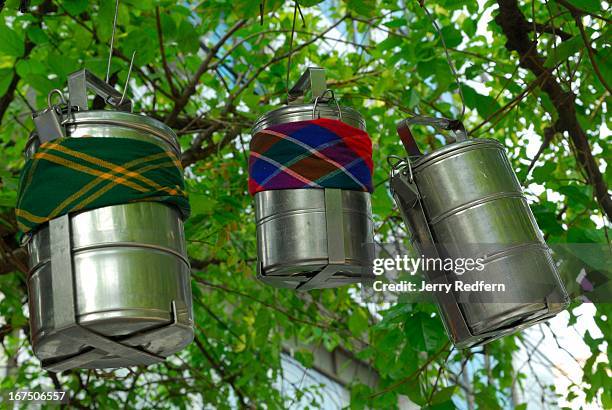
122, 119
304, 112
324, 104
453, 149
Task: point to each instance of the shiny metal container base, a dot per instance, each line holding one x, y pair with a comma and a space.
292, 235
297, 228
130, 269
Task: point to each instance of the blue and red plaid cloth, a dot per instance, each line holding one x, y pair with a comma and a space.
321, 153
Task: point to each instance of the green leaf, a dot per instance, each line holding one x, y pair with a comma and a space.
75, 7
577, 194
395, 314
358, 322
359, 396
424, 333
563, 51
589, 5
452, 36
6, 76
542, 174
8, 199
547, 221
308, 3
362, 7
484, 104
37, 35
305, 357
602, 59
11, 43
390, 42
201, 204
469, 27
446, 405
443, 395
187, 37
61, 65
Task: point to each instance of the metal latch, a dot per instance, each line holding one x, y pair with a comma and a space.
314, 80
48, 122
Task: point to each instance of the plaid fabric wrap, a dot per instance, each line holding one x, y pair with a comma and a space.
321, 153
76, 174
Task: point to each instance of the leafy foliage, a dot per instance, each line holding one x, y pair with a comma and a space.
222, 66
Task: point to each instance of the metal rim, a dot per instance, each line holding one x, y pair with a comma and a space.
302, 112
453, 149
123, 119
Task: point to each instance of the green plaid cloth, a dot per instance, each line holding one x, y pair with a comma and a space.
76, 174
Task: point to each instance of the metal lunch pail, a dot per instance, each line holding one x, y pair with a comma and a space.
464, 200
108, 287
312, 238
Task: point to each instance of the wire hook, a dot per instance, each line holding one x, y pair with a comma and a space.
110, 54
448, 59
127, 80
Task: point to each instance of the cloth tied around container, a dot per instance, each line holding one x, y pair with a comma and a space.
76, 174
318, 153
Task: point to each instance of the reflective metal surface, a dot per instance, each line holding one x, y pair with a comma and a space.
473, 207
292, 233
117, 124
303, 112
297, 228
129, 266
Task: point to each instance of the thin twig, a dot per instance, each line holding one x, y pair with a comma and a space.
162, 51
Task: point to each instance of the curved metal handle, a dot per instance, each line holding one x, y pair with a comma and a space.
333, 98
50, 97
403, 130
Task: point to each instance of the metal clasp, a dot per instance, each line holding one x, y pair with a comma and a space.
314, 80
399, 164
49, 122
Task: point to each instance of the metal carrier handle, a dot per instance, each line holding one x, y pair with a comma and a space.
313, 79
403, 129
81, 81
51, 122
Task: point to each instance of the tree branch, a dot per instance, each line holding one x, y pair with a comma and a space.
550, 29
191, 87
590, 51
9, 94
580, 11
515, 27
162, 51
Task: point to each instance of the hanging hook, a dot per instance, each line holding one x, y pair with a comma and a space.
127, 80
110, 54
448, 59
295, 10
